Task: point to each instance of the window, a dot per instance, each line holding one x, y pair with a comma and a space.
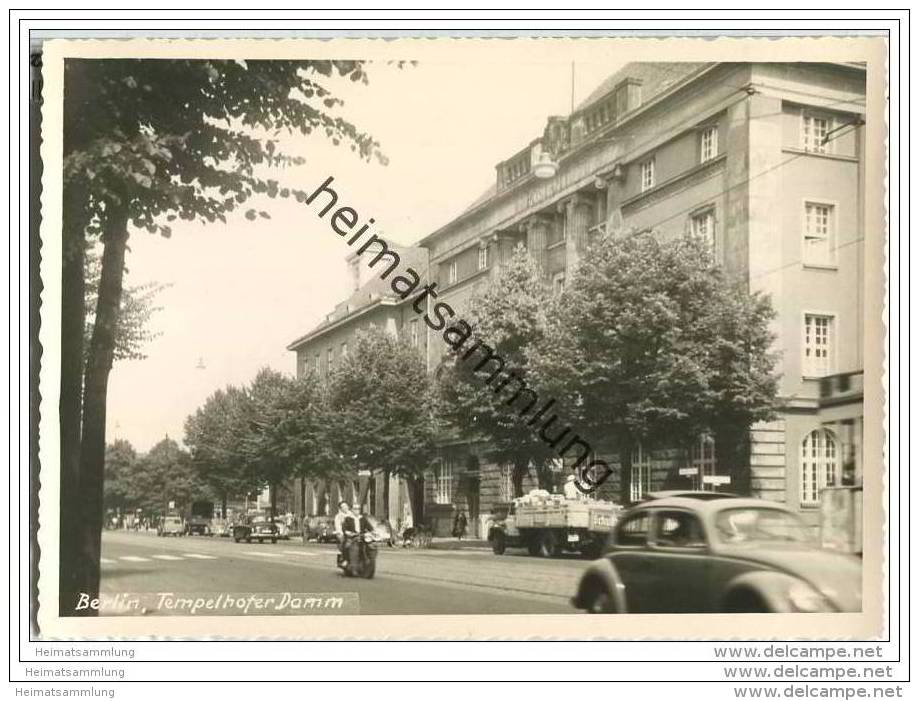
702, 226
634, 530
317, 363
647, 175
818, 465
483, 257
641, 473
818, 234
813, 132
451, 273
818, 345
506, 482
558, 283
413, 333
678, 529
708, 145
328, 360
344, 349
702, 458
444, 483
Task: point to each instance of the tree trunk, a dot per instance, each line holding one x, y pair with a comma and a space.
544, 476
223, 506
625, 472
732, 457
95, 390
362, 494
386, 478
416, 499
521, 467
272, 501
302, 498
73, 320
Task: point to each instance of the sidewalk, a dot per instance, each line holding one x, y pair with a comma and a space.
464, 544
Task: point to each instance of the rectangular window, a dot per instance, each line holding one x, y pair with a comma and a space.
317, 363
641, 474
818, 345
708, 145
647, 175
483, 257
702, 226
818, 234
444, 483
558, 283
452, 273
702, 459
814, 131
328, 360
413, 333
344, 349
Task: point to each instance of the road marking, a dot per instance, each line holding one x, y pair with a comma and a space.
134, 558
262, 554
166, 557
299, 552
106, 561
199, 556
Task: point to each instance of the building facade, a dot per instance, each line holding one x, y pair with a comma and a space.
765, 161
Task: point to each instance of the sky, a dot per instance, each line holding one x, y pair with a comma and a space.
239, 293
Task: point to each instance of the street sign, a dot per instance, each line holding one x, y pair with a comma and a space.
689, 471
716, 479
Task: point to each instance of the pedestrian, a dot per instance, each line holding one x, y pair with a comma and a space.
459, 525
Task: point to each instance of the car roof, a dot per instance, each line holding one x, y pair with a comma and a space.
709, 505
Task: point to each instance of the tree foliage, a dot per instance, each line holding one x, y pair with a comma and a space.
510, 316
382, 414
653, 344
137, 308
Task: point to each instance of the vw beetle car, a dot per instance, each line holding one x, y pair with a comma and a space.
699, 554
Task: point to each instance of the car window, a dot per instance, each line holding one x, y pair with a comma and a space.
633, 530
678, 529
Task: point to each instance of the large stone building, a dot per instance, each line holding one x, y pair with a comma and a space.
766, 162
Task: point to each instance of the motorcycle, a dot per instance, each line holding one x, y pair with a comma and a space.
362, 556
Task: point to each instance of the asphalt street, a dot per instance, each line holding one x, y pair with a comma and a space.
408, 581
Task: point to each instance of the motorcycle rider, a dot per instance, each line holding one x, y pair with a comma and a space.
345, 523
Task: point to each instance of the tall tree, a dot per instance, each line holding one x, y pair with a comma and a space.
509, 315
215, 435
145, 143
120, 461
382, 415
654, 344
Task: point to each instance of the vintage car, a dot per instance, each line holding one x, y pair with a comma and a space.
221, 528
171, 525
321, 529
283, 529
259, 529
703, 554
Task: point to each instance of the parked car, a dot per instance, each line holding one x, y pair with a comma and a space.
221, 528
703, 554
255, 529
283, 530
171, 525
197, 525
321, 529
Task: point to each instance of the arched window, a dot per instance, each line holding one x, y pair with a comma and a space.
641, 473
819, 465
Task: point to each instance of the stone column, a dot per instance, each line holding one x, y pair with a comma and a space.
537, 230
577, 221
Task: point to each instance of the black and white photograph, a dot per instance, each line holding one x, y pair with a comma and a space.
541, 336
